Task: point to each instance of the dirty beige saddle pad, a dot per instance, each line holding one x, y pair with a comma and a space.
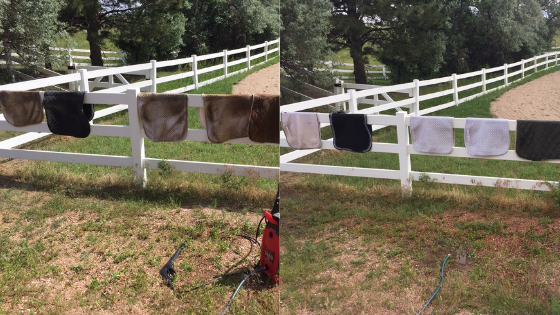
164, 117
226, 117
21, 108
302, 130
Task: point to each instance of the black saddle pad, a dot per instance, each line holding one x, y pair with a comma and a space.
89, 111
351, 132
65, 113
538, 139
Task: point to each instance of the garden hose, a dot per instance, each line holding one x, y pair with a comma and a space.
239, 286
440, 284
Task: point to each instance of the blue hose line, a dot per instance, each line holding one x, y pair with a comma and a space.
437, 290
239, 287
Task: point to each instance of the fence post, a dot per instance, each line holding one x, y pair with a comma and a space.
225, 63
136, 140
483, 80
195, 71
338, 89
416, 95
505, 74
72, 85
265, 51
384, 72
353, 103
522, 68
455, 93
70, 62
122, 58
546, 67
556, 59
248, 57
535, 63
84, 83
153, 76
404, 156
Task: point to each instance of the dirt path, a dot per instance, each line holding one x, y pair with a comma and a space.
264, 81
537, 100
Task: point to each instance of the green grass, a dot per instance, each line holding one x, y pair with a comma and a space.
87, 233
355, 245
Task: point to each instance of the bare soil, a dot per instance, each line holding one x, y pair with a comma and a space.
264, 81
536, 100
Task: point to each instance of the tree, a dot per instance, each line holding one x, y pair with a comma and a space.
414, 44
150, 33
304, 30
97, 16
366, 26
355, 23
29, 28
214, 25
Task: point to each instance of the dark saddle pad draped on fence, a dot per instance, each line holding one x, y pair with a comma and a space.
227, 116
164, 117
538, 140
65, 113
21, 108
264, 125
351, 132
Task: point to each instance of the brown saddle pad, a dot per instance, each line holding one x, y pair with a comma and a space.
226, 116
264, 125
21, 108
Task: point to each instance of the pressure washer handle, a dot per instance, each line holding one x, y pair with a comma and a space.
167, 272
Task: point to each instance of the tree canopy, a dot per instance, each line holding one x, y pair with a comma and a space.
303, 36
29, 28
418, 38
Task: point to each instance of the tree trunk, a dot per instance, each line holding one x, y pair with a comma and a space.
9, 64
94, 40
358, 58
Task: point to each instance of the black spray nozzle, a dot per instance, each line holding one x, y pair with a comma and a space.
167, 272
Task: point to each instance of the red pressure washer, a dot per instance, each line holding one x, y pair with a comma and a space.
270, 253
270, 246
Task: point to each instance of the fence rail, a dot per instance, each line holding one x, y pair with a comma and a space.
341, 72
490, 80
111, 93
138, 161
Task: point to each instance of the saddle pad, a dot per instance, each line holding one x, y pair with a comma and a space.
484, 136
302, 130
65, 113
89, 111
164, 117
227, 116
21, 108
351, 132
538, 140
431, 134
265, 119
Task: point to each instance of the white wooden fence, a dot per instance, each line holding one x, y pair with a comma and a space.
149, 70
401, 120
127, 101
80, 80
340, 72
138, 161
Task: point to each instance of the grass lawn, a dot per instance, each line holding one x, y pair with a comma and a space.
354, 245
83, 239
